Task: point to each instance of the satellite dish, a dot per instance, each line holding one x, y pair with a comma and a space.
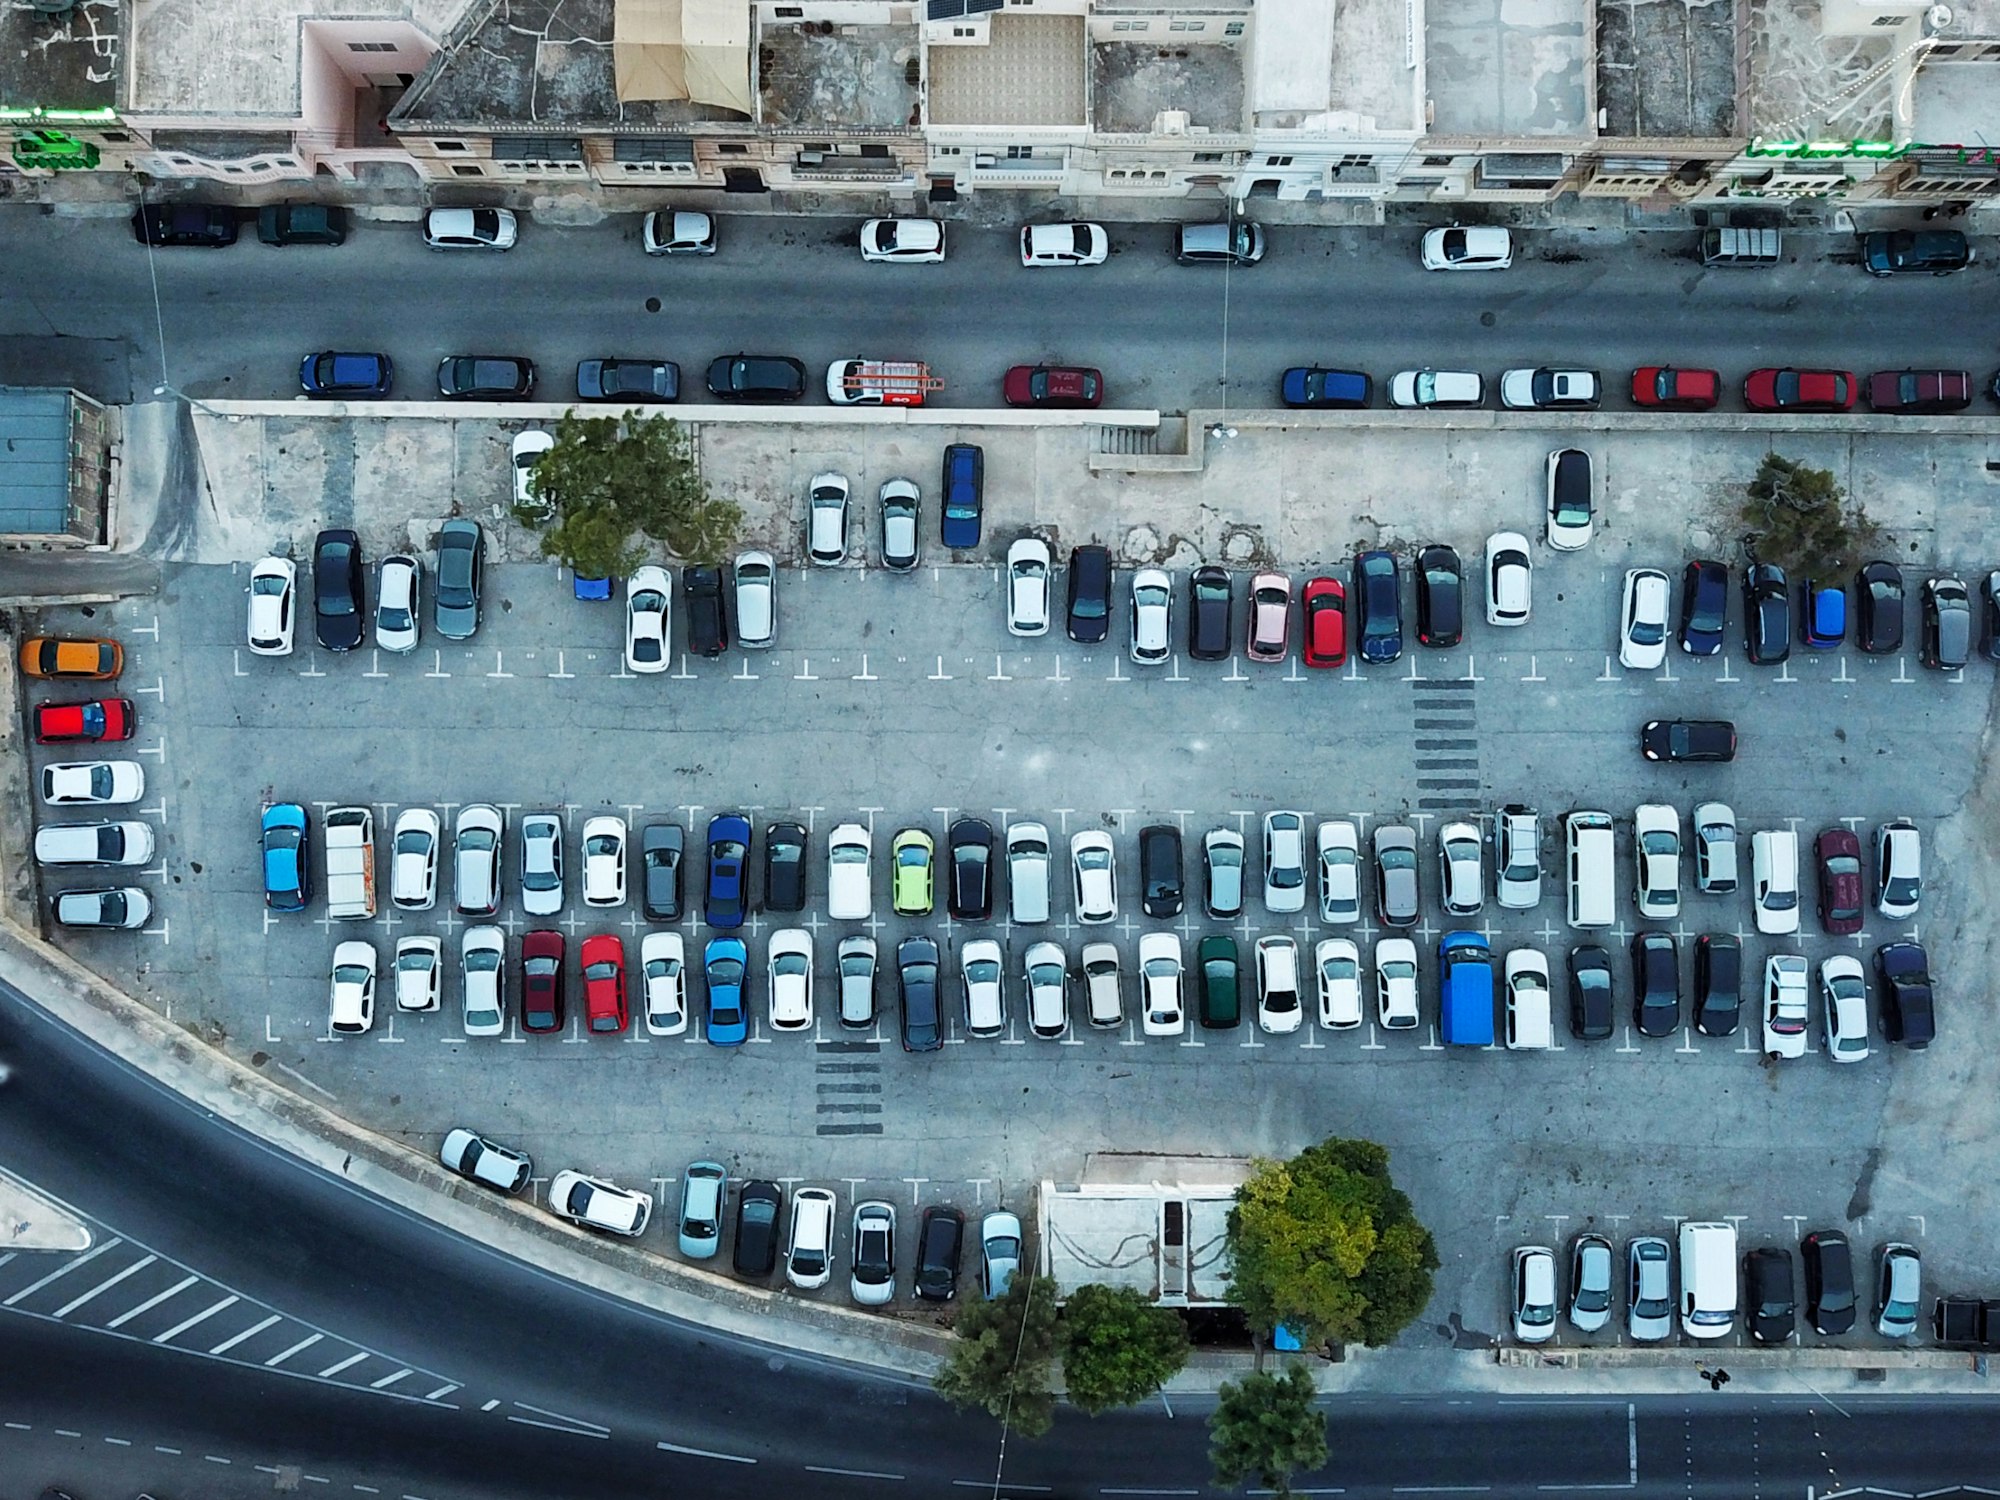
1936, 19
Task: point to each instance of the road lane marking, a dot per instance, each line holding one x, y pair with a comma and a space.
201, 1317
732, 1458
154, 1301
104, 1286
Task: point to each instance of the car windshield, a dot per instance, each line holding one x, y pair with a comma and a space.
725, 972
1151, 596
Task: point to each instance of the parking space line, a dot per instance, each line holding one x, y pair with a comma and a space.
304, 1343
104, 1286
249, 1333
339, 1365
61, 1271
201, 1317
152, 1302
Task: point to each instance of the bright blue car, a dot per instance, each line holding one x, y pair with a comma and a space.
1822, 615
339, 376
287, 857
725, 961
728, 855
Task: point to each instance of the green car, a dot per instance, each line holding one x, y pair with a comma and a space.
910, 857
1220, 974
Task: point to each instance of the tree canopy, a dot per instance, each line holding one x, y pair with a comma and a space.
1118, 1348
1800, 519
1004, 1354
1328, 1245
1265, 1425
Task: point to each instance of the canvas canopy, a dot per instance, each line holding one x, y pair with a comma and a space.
698, 50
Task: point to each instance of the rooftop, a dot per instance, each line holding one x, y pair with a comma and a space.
1373, 85
61, 62
1158, 1225
845, 76
1133, 83
1029, 73
1805, 84
34, 461
1509, 68
1955, 104
1667, 67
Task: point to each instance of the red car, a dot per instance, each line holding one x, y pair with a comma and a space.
1838, 854
1919, 392
1270, 617
604, 983
99, 719
542, 1006
1324, 605
1799, 390
1669, 389
1052, 385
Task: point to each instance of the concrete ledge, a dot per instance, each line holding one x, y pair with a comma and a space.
687, 416
1746, 1357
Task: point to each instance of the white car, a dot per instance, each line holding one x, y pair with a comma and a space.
790, 974
850, 889
910, 242
649, 616
678, 232
470, 229
1715, 849
1572, 500
1461, 879
483, 951
399, 587
351, 1008
809, 1250
1475, 247
1550, 390
1279, 1009
826, 519
604, 861
541, 864
1095, 877
597, 1204
273, 601
1284, 862
489, 1163
1437, 388
1028, 872
1774, 881
1396, 983
1103, 989
123, 843
96, 783
898, 502
756, 600
124, 906
1337, 963
1899, 870
979, 968
1843, 997
663, 972
1509, 579
1785, 1011
1656, 830
871, 1279
1517, 859
1064, 245
413, 859
1339, 872
1642, 637
1160, 984
1028, 587
525, 452
1535, 1294
475, 859
1047, 971
1530, 1015
1152, 615
419, 973
854, 966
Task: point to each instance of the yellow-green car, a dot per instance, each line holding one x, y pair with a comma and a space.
910, 856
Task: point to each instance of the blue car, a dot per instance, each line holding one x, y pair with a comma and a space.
964, 489
287, 857
1822, 615
338, 376
590, 588
725, 961
728, 856
1312, 386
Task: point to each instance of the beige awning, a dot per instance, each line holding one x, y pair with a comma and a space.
698, 50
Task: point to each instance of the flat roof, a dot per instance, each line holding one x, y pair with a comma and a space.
34, 461
1954, 104
856, 77
69, 61
1293, 70
1518, 69
1801, 84
1667, 69
1133, 83
1374, 80
1030, 72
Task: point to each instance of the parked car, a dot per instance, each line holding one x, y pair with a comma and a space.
809, 1250
1837, 855
1668, 388
754, 1253
1822, 615
1947, 624
1590, 1289
541, 864
785, 857
543, 1007
1063, 245
1437, 388
1656, 984
826, 519
1338, 845
1462, 884
1094, 876
1768, 1295
970, 842
1718, 983
477, 837
124, 906
1799, 390
789, 979
663, 983
1045, 978
1704, 606
1899, 1291
455, 602
93, 783
918, 242
756, 377
1591, 998
483, 958
1377, 597
1218, 982
1280, 1008
1270, 617
604, 1005
1284, 862
1477, 247
1903, 984
1337, 970
940, 1242
871, 1280
203, 226
1715, 851
1087, 617
477, 1159
1919, 392
597, 1204
1843, 995
1570, 499
677, 232
724, 897
486, 377
854, 967
1509, 579
917, 985
1152, 616
285, 849
1545, 389
93, 721
1915, 252
419, 973
999, 1252
1052, 386
1323, 623
1440, 596
1162, 1012
1396, 899
1534, 1294
910, 873
339, 602
704, 1189
336, 375
725, 967
982, 978
1028, 564
399, 586
470, 229
639, 382
1161, 888
1899, 869
898, 503
1642, 638
1878, 589
604, 861
1688, 740
662, 857
1222, 872
1396, 984
1785, 1008
649, 594
708, 620
1829, 1269
1767, 614
1310, 386
1649, 1303
850, 849
964, 488
755, 575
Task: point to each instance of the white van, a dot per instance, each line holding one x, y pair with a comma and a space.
1708, 1279
1591, 862
1774, 876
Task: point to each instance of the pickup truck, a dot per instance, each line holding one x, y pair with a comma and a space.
348, 835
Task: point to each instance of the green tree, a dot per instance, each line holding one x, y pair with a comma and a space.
1800, 519
1005, 1352
1329, 1246
1265, 1425
1118, 1348
608, 478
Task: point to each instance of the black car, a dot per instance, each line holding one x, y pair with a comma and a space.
970, 841
1947, 624
1989, 611
940, 1238
1878, 592
628, 380
203, 226
1688, 739
1160, 880
1590, 993
1829, 1281
758, 1209
1704, 606
1915, 252
301, 224
962, 495
1210, 597
1440, 596
1089, 594
1379, 606
662, 854
1903, 980
756, 377
1656, 984
785, 867
1718, 984
708, 621
1767, 614
917, 977
485, 377
1768, 1295
339, 605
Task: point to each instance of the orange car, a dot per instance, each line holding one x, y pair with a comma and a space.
45, 656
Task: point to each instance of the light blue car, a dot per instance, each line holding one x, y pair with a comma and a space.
723, 964
703, 1186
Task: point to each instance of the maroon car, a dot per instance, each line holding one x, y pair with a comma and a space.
542, 981
1919, 392
1838, 854
1052, 385
1799, 390
1672, 389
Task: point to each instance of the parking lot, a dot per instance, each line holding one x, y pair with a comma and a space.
901, 701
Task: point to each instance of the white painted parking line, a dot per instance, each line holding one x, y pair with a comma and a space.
375, 665
872, 1473
732, 1458
437, 665
61, 1271
249, 1333
338, 1365
103, 1286
201, 1317
153, 1301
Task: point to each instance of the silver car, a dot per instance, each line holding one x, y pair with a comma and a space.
488, 1163
541, 864
476, 841
1339, 872
756, 600
703, 1187
1715, 848
1152, 615
855, 965
1462, 882
1649, 1297
826, 520
871, 1279
1222, 872
1899, 1291
899, 501
1396, 875
1517, 876
1284, 862
398, 588
455, 600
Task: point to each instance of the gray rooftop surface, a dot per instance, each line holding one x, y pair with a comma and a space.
34, 461
1667, 68
1370, 81
1031, 72
61, 62
1508, 67
856, 78
1803, 84
1133, 82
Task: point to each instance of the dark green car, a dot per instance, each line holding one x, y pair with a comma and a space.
1221, 982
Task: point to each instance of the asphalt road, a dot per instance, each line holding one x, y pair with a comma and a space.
235, 322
